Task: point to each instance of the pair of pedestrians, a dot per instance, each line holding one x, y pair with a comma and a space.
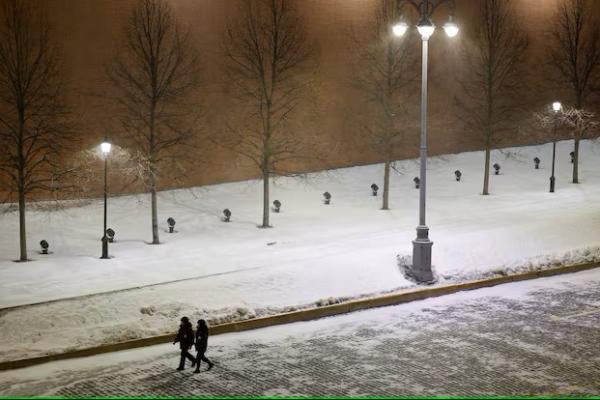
187, 339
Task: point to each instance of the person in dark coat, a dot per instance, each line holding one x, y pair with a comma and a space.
185, 337
201, 345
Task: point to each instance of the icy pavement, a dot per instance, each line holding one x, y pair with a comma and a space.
528, 338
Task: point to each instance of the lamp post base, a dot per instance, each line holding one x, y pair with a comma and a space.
552, 179
104, 248
421, 268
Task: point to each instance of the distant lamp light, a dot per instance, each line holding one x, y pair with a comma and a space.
110, 234
458, 175
171, 222
105, 147
556, 106
374, 188
226, 215
425, 28
400, 28
44, 245
276, 206
451, 28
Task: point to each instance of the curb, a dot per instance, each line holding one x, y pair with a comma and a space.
306, 315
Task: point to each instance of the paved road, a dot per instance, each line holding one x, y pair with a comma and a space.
527, 338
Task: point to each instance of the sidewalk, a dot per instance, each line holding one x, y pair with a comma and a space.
536, 337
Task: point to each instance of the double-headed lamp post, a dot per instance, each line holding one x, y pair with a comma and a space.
105, 148
421, 268
556, 107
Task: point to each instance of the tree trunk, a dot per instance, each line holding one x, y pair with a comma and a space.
22, 230
486, 173
386, 186
576, 162
155, 239
21, 176
265, 222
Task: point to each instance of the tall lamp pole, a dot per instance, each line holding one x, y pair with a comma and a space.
556, 107
105, 147
421, 268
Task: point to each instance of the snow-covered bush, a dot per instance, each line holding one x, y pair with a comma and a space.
327, 301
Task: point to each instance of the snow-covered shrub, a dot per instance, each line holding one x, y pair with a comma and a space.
327, 302
150, 310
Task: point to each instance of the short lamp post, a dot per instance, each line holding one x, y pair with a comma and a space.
105, 148
421, 268
556, 107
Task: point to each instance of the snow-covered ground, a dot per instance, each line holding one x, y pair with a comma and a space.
313, 252
523, 338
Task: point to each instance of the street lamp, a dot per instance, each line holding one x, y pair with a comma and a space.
556, 107
105, 148
421, 268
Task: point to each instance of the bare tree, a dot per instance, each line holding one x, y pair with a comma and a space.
575, 55
267, 53
582, 123
494, 79
35, 130
154, 76
387, 72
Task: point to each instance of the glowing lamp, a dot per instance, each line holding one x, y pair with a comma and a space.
400, 28
451, 28
425, 28
556, 106
105, 147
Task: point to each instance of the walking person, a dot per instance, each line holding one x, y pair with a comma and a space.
201, 345
185, 337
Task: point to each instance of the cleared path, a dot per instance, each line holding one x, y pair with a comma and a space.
529, 338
